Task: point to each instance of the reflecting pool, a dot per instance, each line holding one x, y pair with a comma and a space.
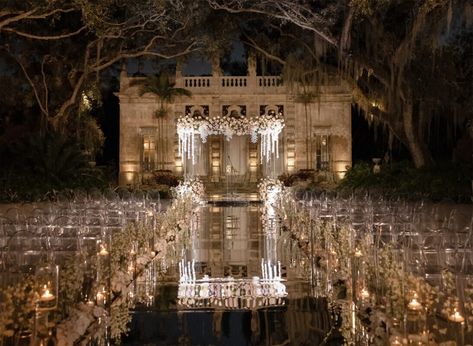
237, 283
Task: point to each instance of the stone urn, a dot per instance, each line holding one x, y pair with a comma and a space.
377, 165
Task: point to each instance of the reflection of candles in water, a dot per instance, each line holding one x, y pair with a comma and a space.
395, 341
46, 296
456, 316
101, 297
103, 250
414, 304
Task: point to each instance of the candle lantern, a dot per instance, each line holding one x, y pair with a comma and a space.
457, 325
47, 299
47, 277
415, 319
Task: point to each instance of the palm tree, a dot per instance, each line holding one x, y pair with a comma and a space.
163, 88
306, 97
301, 74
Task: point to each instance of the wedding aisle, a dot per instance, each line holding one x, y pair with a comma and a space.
271, 270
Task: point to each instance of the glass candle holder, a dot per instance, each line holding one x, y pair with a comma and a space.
47, 277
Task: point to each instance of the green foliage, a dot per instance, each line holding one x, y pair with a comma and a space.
401, 179
17, 306
163, 88
368, 7
291, 179
166, 178
36, 165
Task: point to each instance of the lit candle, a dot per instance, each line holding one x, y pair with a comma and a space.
456, 317
279, 269
103, 250
358, 253
46, 296
90, 303
414, 304
364, 294
101, 297
396, 341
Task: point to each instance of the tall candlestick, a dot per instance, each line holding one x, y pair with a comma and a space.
262, 268
193, 270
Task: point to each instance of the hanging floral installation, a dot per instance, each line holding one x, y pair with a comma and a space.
268, 127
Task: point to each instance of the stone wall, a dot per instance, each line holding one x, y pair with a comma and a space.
330, 112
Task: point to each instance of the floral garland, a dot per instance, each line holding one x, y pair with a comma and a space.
268, 127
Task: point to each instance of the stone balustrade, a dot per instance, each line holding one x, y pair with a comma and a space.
232, 84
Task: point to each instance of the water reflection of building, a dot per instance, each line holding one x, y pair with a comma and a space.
229, 242
317, 134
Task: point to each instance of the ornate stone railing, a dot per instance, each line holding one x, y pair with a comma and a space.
234, 82
231, 84
196, 82
271, 81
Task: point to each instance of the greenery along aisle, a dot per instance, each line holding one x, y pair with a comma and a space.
371, 276
100, 283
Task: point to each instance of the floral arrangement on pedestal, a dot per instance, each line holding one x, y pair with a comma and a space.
268, 127
193, 187
269, 190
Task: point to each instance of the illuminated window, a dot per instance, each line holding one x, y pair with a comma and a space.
322, 152
149, 153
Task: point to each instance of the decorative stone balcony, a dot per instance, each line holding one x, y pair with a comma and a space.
232, 84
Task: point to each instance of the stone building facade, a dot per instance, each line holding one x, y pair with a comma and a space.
317, 133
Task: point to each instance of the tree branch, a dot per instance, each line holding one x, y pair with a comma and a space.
45, 38
44, 110
45, 85
270, 56
16, 17
286, 11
